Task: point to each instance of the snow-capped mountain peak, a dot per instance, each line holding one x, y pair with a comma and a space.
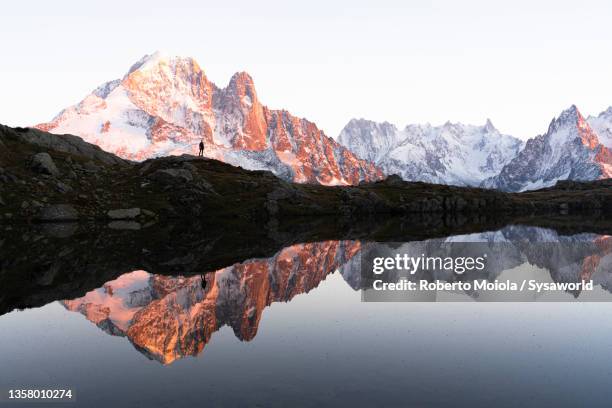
148, 59
159, 59
488, 127
241, 82
165, 105
570, 149
569, 115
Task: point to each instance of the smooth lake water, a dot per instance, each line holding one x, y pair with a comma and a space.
292, 331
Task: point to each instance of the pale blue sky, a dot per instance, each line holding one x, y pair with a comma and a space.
517, 62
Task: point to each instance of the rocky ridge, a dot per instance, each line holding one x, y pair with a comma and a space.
94, 185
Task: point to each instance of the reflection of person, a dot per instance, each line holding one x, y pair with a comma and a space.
201, 148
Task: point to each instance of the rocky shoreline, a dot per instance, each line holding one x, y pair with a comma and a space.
58, 178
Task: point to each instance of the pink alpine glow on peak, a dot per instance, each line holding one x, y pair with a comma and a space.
166, 105
170, 317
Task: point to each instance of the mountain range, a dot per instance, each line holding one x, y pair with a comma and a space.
449, 154
573, 148
166, 105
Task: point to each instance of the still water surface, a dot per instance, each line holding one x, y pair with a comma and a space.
292, 330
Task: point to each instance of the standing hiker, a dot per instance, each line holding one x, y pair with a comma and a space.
201, 148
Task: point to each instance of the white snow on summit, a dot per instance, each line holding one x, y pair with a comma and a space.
452, 153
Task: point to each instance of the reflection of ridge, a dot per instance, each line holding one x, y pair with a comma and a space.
42, 263
565, 258
167, 318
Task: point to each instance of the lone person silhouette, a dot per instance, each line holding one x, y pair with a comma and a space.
201, 148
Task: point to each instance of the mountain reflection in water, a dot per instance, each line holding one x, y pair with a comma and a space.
170, 317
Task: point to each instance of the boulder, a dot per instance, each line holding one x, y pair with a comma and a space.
124, 213
43, 163
172, 176
148, 213
63, 187
58, 213
190, 167
91, 167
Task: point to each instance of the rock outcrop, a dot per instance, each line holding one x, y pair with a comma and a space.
43, 163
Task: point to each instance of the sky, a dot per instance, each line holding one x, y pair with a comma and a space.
519, 63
